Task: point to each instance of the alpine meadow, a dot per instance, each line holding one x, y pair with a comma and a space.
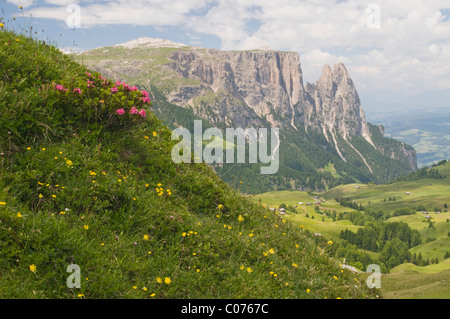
229, 155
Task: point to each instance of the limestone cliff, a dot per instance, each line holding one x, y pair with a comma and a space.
260, 88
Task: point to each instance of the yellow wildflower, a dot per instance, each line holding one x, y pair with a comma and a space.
32, 268
220, 207
19, 215
330, 242
145, 237
240, 218
242, 267
153, 295
249, 270
134, 287
2, 203
308, 291
155, 134
80, 295
167, 281
159, 280
86, 227
294, 265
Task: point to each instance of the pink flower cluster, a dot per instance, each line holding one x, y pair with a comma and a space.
133, 110
145, 99
61, 88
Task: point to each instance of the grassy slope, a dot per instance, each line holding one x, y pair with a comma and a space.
407, 280
121, 228
327, 227
413, 282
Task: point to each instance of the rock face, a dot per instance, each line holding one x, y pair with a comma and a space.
268, 82
271, 84
261, 88
252, 85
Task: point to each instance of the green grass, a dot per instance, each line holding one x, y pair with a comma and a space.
408, 281
82, 185
329, 228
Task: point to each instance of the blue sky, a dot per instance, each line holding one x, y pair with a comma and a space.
397, 52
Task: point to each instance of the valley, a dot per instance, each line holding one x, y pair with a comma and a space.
413, 197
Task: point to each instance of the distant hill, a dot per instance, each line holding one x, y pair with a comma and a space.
359, 218
428, 131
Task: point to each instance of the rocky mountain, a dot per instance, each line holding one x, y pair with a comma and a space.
326, 139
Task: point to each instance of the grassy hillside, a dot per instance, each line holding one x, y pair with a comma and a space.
82, 182
431, 194
413, 282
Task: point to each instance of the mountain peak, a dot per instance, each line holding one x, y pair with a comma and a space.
147, 42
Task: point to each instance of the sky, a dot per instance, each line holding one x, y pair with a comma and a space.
397, 52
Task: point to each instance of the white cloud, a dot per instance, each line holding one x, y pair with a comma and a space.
409, 51
23, 3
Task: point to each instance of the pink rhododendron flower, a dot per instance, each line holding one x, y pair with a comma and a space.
144, 93
118, 83
114, 89
120, 111
90, 84
77, 90
88, 74
134, 110
146, 99
126, 87
142, 113
133, 88
59, 87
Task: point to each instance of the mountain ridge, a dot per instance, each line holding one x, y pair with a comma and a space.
256, 88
